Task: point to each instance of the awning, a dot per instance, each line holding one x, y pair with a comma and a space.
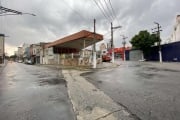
76, 41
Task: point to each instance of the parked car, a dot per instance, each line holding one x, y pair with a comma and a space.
106, 58
29, 62
20, 61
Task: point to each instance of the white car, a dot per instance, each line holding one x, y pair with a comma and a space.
20, 61
29, 62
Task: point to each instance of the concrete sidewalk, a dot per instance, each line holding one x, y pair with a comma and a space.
103, 65
2, 67
89, 103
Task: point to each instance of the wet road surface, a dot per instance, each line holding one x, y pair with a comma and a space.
151, 91
33, 93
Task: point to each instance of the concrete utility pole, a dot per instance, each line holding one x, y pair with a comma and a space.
112, 42
124, 46
159, 39
94, 46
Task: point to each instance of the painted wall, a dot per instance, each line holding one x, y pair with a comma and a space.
170, 52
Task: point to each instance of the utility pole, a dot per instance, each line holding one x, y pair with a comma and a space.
2, 48
159, 40
112, 42
124, 47
94, 45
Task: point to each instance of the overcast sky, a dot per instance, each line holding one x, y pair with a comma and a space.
58, 18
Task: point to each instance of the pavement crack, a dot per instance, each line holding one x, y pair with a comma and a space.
108, 114
131, 114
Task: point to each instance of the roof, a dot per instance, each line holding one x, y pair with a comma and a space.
77, 40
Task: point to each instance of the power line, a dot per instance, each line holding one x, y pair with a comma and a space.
109, 9
111, 18
112, 9
101, 10
109, 32
79, 14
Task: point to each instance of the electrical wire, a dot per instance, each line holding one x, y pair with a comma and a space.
109, 16
113, 11
79, 14
101, 10
107, 6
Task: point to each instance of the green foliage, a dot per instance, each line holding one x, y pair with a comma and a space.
143, 41
13, 56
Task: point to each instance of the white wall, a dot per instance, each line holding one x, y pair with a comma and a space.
176, 32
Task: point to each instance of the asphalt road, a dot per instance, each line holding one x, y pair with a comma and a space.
151, 91
33, 93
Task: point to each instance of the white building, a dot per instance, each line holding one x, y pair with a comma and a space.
20, 53
176, 31
35, 53
50, 57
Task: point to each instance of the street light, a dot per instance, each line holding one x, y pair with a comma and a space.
6, 11
19, 14
112, 43
29, 14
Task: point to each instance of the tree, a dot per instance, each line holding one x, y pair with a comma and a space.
143, 41
13, 57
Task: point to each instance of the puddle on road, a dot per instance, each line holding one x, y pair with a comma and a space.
42, 76
35, 73
160, 69
86, 73
134, 65
52, 81
56, 99
99, 81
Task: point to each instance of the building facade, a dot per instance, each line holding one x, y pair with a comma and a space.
20, 53
35, 53
25, 52
176, 31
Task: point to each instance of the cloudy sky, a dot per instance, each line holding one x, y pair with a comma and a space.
58, 18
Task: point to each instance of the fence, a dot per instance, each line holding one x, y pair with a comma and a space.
170, 53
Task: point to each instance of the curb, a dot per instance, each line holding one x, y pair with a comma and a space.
89, 103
